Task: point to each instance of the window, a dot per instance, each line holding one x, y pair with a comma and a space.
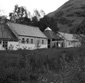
5, 44
31, 41
69, 43
42, 41
23, 40
27, 40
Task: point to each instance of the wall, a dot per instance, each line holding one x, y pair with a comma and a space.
37, 43
13, 45
71, 43
1, 46
56, 43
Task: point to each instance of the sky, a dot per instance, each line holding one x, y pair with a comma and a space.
48, 6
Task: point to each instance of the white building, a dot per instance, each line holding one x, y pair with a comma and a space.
15, 36
69, 40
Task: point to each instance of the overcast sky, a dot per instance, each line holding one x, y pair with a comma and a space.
47, 5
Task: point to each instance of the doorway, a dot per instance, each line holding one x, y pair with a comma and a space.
48, 43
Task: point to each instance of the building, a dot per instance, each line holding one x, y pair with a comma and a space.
15, 36
53, 39
70, 40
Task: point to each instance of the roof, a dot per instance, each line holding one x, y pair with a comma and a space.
51, 35
6, 33
68, 36
25, 30
48, 29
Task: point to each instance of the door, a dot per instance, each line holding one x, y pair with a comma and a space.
48, 43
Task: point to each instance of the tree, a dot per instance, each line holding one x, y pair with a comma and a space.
48, 22
3, 21
37, 14
42, 13
34, 21
19, 15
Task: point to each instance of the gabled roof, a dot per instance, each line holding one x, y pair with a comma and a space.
25, 30
50, 34
6, 33
68, 36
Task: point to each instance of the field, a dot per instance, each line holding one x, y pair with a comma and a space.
43, 66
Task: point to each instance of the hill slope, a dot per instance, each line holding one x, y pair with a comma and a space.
69, 15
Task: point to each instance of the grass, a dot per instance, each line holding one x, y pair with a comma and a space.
43, 65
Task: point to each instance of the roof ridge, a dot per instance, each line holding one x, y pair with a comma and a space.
23, 24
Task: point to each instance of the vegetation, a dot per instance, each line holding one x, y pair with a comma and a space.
69, 15
39, 19
55, 65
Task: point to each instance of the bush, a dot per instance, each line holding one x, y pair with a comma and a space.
66, 65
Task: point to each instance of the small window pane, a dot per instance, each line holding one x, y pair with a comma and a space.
27, 40
42, 41
31, 41
69, 43
23, 40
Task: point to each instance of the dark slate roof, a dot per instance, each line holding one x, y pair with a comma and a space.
51, 35
68, 36
25, 30
6, 33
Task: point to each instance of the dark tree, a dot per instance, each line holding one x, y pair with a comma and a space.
48, 22
34, 21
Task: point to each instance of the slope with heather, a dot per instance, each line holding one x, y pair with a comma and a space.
69, 15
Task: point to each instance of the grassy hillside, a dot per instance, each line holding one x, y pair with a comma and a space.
43, 66
69, 15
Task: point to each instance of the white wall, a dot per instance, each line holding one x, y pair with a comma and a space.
15, 45
42, 46
37, 43
27, 46
71, 44
32, 46
12, 45
1, 47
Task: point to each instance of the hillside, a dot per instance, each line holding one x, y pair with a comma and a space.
69, 15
